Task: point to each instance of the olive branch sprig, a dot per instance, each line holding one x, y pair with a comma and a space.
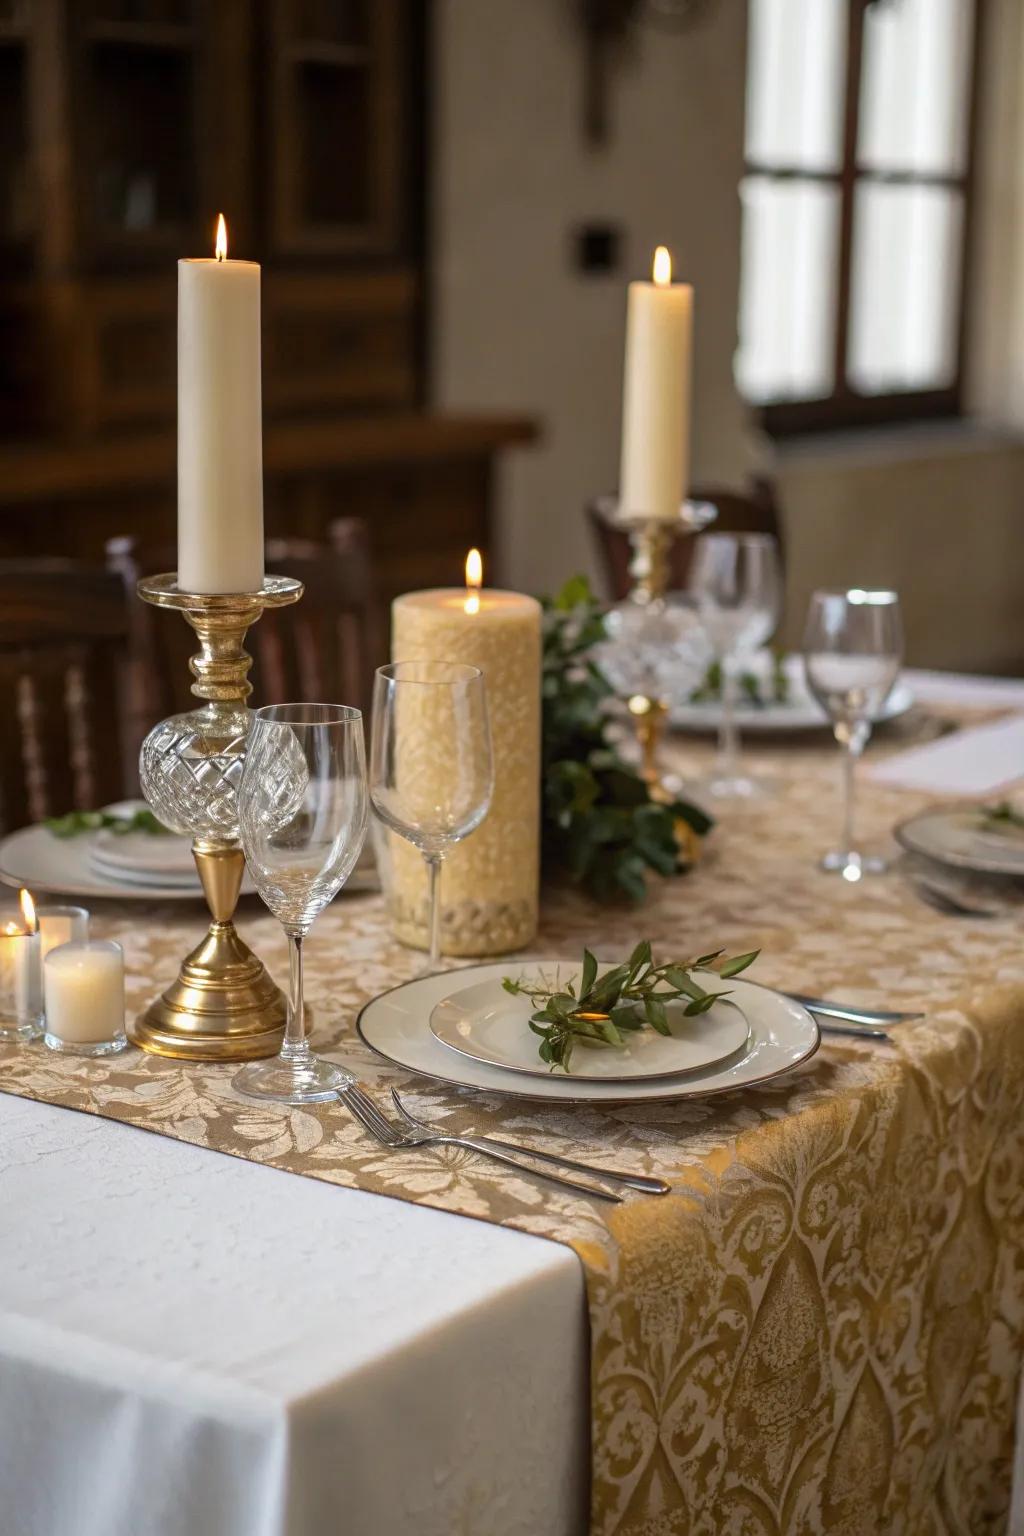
601, 1008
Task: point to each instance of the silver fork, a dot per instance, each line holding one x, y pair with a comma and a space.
390, 1135
639, 1181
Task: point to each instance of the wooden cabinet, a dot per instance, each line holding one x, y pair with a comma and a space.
125, 126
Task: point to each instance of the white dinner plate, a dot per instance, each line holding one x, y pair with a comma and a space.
142, 854
959, 839
486, 1023
63, 866
396, 1026
800, 712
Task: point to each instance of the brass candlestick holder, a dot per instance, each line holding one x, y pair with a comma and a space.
223, 1005
642, 629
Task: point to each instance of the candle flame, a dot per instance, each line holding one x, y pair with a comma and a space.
220, 247
662, 266
474, 580
28, 910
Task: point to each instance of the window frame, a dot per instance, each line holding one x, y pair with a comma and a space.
845, 407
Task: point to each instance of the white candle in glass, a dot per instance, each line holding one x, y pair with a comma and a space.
84, 994
60, 925
20, 998
220, 454
655, 469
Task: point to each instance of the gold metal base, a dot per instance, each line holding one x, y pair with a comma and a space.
223, 1005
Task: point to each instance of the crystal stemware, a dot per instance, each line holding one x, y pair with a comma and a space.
302, 820
736, 587
853, 646
431, 769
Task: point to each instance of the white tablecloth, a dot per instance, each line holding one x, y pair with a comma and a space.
195, 1346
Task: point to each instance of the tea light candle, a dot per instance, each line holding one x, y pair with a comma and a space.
489, 884
84, 993
20, 995
60, 925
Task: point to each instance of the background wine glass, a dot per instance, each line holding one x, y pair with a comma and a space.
736, 587
853, 647
302, 817
431, 770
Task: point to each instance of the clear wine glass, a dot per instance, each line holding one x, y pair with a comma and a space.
302, 818
853, 647
736, 586
431, 770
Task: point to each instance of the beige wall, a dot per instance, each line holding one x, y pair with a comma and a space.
938, 514
515, 326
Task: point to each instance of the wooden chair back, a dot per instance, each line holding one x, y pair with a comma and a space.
63, 633
325, 647
755, 511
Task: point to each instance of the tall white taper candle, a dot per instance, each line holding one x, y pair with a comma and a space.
220, 450
656, 395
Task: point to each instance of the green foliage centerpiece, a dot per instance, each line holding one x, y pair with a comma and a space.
601, 825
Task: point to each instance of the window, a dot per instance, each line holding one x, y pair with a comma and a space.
856, 201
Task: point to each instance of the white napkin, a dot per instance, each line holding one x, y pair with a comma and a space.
971, 762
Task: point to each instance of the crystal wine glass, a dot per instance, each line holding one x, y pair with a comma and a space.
431, 770
853, 646
302, 820
735, 582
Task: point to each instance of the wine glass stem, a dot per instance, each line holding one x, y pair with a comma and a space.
728, 734
851, 739
433, 862
295, 1042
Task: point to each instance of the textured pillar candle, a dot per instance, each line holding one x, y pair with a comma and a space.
220, 453
655, 470
84, 992
489, 885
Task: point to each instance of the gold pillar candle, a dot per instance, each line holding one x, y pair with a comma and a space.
489, 882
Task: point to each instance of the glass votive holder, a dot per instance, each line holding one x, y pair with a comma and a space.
60, 925
21, 1010
83, 985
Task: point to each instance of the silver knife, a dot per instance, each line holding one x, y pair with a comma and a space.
849, 1015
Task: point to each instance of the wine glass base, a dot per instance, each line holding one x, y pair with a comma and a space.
735, 786
303, 1079
853, 866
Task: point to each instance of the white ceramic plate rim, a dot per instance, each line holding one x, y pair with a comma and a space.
905, 836
497, 1080
540, 1070
18, 867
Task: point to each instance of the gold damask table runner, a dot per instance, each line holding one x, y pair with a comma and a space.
821, 1329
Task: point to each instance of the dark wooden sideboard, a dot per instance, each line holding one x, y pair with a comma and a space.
421, 482
125, 126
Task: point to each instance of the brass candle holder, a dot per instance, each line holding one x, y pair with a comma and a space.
640, 626
223, 1006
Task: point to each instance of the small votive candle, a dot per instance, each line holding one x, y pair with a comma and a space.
84, 994
20, 1001
60, 925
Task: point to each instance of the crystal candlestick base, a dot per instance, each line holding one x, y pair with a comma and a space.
223, 1005
654, 655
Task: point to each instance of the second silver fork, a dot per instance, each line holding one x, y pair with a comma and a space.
391, 1135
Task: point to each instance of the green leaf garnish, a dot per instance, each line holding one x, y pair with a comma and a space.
75, 823
626, 998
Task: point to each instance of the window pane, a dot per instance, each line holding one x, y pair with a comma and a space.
906, 275
796, 60
914, 86
787, 290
